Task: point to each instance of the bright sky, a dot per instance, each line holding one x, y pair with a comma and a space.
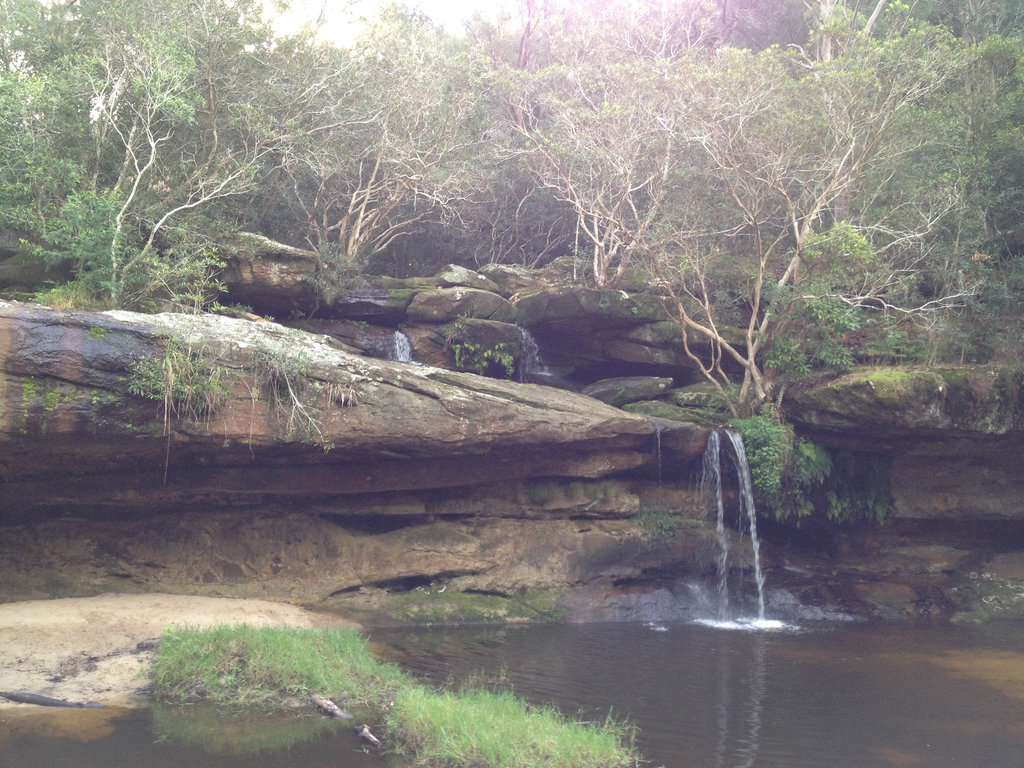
341, 16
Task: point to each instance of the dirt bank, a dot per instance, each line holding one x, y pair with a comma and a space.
99, 648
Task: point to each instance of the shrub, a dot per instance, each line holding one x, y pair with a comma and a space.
793, 477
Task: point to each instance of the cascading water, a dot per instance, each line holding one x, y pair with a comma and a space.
400, 350
531, 367
712, 499
657, 448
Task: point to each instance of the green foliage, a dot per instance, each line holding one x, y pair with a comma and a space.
470, 728
497, 360
189, 383
184, 275
769, 446
660, 526
815, 333
483, 360
477, 727
859, 488
73, 295
244, 664
837, 256
793, 477
83, 232
881, 341
284, 380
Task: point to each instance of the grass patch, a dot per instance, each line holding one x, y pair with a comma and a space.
250, 665
470, 728
478, 727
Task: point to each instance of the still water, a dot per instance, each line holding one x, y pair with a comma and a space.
827, 696
834, 696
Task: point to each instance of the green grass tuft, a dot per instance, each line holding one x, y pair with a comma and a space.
478, 727
473, 728
250, 665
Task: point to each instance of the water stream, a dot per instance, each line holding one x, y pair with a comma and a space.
400, 348
713, 499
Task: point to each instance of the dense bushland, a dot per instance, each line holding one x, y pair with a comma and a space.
808, 184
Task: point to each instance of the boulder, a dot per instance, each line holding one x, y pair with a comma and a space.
628, 389
447, 304
892, 406
455, 276
952, 438
588, 306
369, 302
272, 277
512, 280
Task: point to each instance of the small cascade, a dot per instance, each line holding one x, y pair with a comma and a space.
531, 367
657, 448
711, 495
712, 499
400, 350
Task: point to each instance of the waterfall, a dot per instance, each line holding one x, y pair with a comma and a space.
400, 349
531, 367
657, 448
712, 498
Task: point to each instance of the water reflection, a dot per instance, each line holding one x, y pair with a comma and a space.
739, 719
846, 696
170, 737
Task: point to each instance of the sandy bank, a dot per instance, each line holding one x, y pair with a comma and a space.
99, 648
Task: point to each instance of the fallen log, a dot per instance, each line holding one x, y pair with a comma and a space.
47, 701
364, 733
329, 708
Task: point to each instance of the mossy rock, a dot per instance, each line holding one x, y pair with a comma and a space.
455, 276
628, 389
570, 303
970, 400
446, 304
705, 396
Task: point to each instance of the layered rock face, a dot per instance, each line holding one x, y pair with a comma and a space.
230, 456
951, 441
327, 463
954, 437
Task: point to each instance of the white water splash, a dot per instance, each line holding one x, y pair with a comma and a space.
400, 350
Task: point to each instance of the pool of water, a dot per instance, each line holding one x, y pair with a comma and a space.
827, 696
832, 696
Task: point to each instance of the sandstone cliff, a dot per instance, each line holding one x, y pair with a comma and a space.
230, 456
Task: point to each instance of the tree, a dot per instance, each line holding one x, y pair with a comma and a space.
380, 140
805, 159
145, 136
775, 191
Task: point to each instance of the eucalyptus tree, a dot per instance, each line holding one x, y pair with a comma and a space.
824, 197
772, 195
596, 122
145, 108
381, 140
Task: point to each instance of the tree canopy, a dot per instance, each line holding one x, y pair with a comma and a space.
806, 183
